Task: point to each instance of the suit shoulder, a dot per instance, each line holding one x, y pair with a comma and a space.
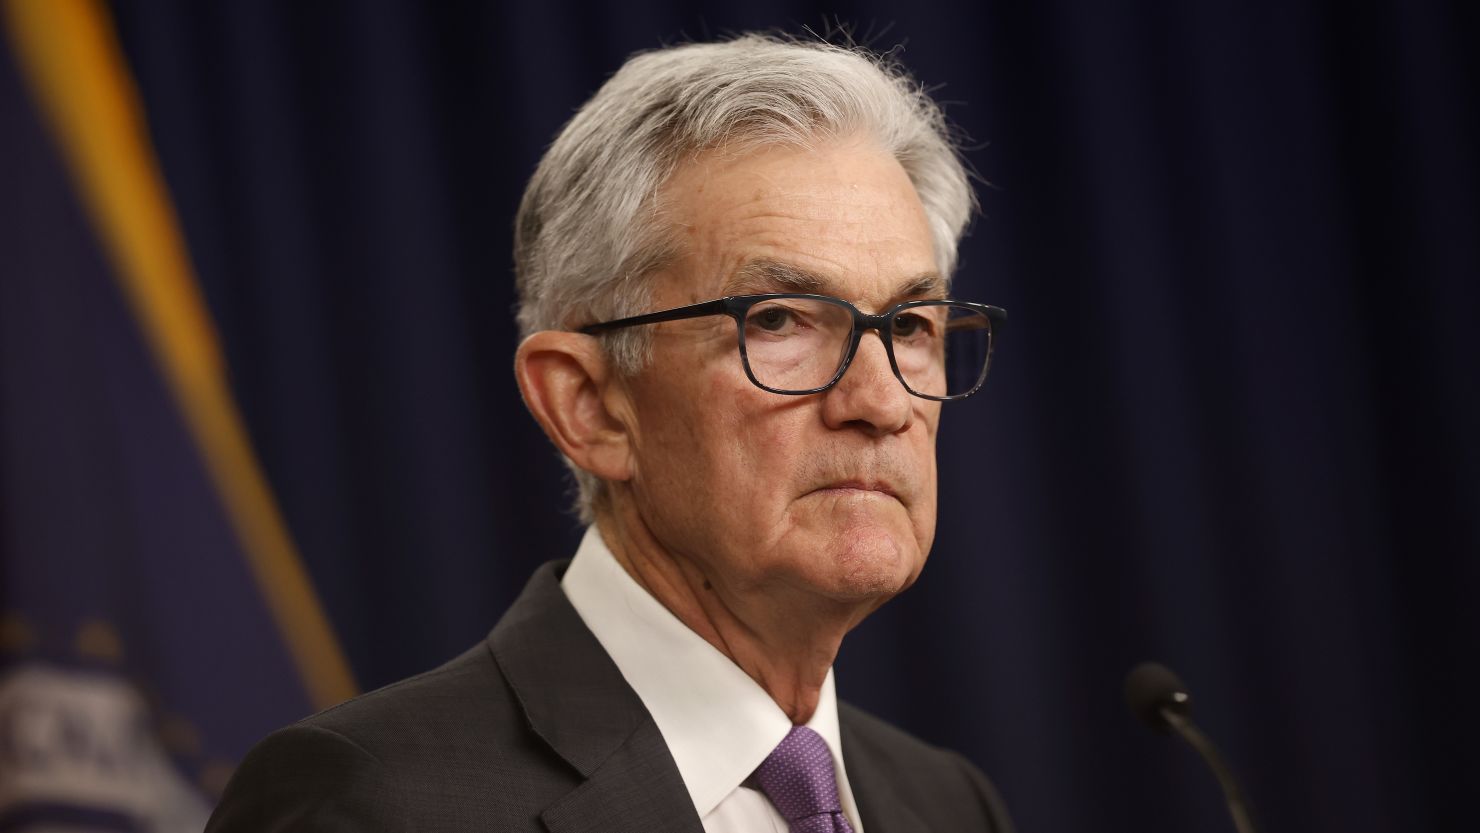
461, 717
449, 749
433, 703
307, 778
929, 778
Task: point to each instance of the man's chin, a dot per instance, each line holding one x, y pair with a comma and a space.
858, 546
863, 563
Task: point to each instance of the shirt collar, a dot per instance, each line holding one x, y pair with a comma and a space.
719, 724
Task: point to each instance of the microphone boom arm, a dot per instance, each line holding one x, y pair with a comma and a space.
1238, 806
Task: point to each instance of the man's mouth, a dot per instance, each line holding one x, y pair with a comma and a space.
861, 486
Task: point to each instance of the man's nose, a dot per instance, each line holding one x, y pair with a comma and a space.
869, 396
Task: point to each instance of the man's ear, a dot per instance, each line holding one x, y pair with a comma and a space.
564, 379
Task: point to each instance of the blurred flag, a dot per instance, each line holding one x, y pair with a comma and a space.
154, 618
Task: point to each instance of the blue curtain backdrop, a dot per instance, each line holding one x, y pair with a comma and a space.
1232, 426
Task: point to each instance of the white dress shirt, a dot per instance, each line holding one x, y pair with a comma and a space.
719, 724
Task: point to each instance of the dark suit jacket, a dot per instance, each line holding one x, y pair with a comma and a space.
536, 730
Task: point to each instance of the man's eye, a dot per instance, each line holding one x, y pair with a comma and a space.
909, 325
773, 319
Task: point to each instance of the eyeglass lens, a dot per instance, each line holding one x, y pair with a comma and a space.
798, 344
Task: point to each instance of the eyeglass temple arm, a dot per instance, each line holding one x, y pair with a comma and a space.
719, 307
996, 315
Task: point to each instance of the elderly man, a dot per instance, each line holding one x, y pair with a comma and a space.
733, 266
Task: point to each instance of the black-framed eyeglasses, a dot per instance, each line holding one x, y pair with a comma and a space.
795, 344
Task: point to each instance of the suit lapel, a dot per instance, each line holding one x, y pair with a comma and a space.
577, 701
879, 804
637, 789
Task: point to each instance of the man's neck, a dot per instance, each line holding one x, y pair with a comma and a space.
787, 645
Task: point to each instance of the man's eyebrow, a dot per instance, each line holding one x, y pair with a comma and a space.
773, 276
763, 275
928, 286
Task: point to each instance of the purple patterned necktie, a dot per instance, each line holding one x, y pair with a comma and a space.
798, 778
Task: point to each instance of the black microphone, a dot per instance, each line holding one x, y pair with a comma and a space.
1158, 698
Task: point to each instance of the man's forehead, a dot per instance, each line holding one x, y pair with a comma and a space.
841, 219
770, 275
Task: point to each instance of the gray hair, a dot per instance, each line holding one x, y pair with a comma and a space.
590, 230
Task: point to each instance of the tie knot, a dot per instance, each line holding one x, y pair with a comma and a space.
798, 776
